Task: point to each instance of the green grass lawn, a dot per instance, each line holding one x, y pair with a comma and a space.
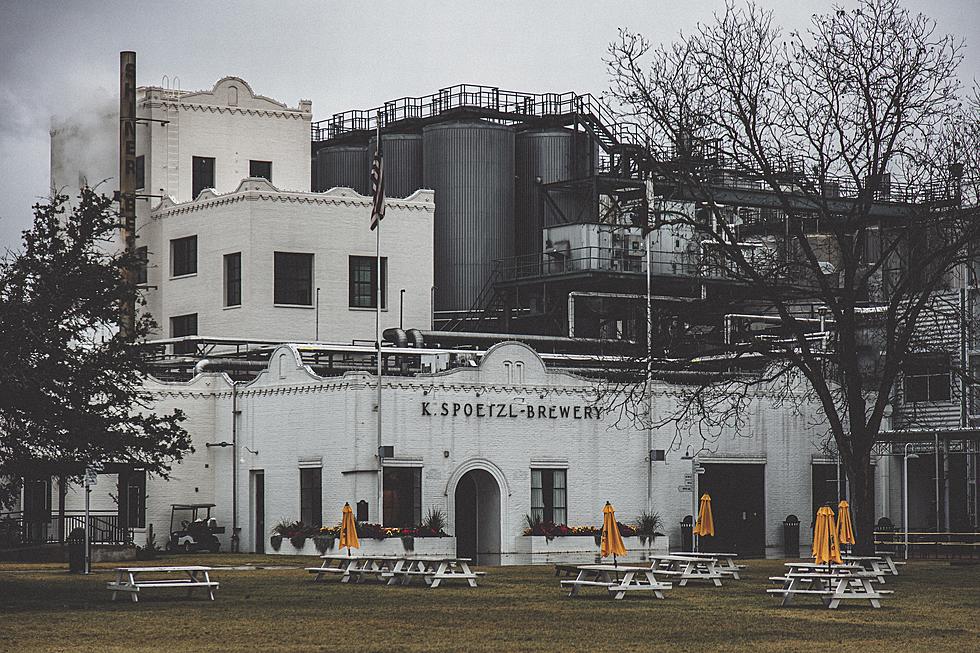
936, 607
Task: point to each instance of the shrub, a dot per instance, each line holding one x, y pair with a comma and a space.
649, 524
433, 524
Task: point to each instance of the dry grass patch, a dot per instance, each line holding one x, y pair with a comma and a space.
515, 608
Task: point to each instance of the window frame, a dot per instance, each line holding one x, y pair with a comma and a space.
397, 515
276, 289
928, 380
548, 508
252, 173
175, 243
228, 279
358, 265
197, 185
136, 515
143, 257
311, 495
183, 348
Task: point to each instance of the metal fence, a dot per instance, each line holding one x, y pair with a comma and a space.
105, 527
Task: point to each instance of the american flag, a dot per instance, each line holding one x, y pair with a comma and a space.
377, 188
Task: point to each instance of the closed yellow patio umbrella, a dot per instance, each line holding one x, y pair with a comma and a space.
348, 530
845, 531
826, 547
612, 541
705, 525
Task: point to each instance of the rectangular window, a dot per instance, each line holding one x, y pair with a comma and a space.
927, 380
548, 493
293, 279
311, 496
402, 496
183, 256
180, 326
363, 281
141, 263
136, 499
140, 172
233, 279
202, 174
260, 169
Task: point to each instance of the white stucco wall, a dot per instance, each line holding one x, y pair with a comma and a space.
258, 220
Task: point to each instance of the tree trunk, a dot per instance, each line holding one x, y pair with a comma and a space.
860, 473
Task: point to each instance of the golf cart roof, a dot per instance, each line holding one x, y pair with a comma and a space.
190, 506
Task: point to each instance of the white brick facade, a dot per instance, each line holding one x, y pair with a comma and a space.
291, 416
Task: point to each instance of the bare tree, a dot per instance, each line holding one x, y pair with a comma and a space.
823, 173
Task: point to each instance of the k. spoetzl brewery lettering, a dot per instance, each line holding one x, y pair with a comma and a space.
511, 411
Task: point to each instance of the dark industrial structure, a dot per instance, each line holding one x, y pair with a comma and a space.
545, 209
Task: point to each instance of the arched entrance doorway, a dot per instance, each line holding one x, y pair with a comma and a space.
477, 516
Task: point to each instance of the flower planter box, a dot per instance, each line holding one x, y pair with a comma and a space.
389, 546
576, 549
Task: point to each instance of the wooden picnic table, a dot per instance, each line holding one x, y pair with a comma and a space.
841, 583
353, 568
725, 561
432, 570
874, 564
846, 567
132, 580
888, 557
687, 568
393, 569
616, 579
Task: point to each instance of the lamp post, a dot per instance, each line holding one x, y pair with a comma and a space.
648, 389
401, 308
905, 495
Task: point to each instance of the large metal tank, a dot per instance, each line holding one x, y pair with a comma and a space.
470, 166
403, 163
545, 156
344, 165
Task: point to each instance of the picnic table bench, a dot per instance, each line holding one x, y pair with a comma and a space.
875, 564
687, 568
616, 579
130, 579
354, 568
725, 561
433, 571
831, 587
396, 569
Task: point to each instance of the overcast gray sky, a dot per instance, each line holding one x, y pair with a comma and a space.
60, 57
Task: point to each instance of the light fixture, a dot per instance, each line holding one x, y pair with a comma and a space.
217, 444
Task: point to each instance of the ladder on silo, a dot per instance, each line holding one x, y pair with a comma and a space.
173, 148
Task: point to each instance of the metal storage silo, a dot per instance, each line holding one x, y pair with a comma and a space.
403, 163
344, 165
544, 156
470, 166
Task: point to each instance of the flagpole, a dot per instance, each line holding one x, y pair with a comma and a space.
377, 335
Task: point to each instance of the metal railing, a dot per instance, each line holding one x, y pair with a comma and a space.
503, 105
16, 529
721, 169
709, 263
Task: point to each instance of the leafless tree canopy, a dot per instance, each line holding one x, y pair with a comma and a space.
831, 173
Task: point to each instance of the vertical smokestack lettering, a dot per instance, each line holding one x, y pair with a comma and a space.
127, 183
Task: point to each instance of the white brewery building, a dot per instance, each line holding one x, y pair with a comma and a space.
261, 274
